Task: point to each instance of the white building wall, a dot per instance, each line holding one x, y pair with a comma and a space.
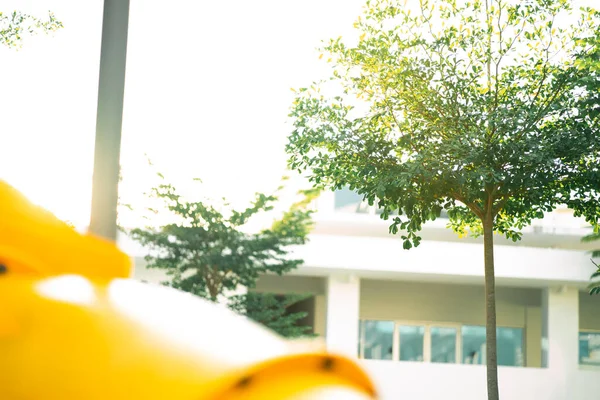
354, 277
563, 379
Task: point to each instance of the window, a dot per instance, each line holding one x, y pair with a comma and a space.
510, 347
509, 344
376, 340
473, 345
589, 348
444, 343
411, 342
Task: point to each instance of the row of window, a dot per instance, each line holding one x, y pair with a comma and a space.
442, 343
438, 343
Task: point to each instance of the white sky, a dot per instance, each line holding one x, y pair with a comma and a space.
207, 95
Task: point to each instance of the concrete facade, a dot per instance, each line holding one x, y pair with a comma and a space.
355, 271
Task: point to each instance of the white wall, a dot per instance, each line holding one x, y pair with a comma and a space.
422, 381
457, 262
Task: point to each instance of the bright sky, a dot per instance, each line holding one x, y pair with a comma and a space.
207, 95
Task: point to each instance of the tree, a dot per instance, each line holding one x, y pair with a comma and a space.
592, 63
272, 311
594, 286
206, 252
14, 26
479, 108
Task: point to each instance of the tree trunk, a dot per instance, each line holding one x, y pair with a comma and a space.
490, 308
213, 291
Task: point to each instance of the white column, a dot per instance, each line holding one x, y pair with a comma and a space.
560, 343
343, 301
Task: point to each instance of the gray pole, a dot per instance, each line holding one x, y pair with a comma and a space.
111, 87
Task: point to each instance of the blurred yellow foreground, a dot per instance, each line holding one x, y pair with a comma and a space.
72, 326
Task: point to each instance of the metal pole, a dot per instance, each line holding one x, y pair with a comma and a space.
111, 86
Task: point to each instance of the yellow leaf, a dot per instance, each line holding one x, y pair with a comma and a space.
362, 37
320, 56
329, 60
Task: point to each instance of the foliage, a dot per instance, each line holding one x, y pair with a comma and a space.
272, 311
206, 252
469, 110
487, 109
592, 237
14, 26
594, 286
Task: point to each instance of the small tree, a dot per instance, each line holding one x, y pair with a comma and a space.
14, 26
272, 311
206, 252
478, 107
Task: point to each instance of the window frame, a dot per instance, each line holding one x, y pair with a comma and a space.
426, 338
361, 338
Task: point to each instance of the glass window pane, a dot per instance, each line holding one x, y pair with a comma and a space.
473, 345
510, 346
411, 342
589, 348
377, 339
443, 345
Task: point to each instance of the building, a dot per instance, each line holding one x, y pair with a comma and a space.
417, 317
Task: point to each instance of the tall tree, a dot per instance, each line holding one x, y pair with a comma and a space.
16, 25
594, 286
206, 250
273, 311
475, 107
591, 63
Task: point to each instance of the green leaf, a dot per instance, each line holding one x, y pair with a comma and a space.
206, 249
